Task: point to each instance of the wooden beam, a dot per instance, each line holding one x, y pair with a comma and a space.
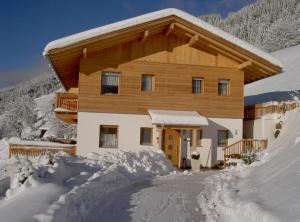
244, 65
170, 29
84, 52
145, 36
194, 40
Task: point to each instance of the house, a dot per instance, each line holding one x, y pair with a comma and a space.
164, 80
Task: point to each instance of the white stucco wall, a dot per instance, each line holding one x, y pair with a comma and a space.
88, 129
129, 134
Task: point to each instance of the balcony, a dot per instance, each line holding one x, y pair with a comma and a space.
66, 106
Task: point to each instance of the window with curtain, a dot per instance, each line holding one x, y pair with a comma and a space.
147, 83
109, 136
223, 87
197, 85
110, 83
146, 136
222, 137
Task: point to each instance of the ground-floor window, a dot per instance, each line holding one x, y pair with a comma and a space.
146, 135
108, 136
222, 137
199, 137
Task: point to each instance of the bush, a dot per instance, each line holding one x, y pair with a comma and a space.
249, 158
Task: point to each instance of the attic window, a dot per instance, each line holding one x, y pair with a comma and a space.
223, 87
110, 83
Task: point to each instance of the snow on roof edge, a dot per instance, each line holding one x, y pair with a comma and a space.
72, 39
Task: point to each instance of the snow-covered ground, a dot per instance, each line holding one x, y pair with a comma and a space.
268, 190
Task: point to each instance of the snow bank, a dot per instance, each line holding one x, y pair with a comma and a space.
4, 148
18, 141
268, 190
67, 188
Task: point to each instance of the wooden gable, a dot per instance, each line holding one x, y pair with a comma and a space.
167, 40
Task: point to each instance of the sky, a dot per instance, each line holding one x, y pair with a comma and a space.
27, 26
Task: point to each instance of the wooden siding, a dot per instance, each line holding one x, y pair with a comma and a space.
173, 85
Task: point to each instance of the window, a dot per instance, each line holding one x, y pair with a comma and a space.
223, 87
109, 136
146, 136
222, 137
197, 84
199, 136
147, 84
110, 83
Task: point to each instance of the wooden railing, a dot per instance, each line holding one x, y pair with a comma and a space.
258, 110
67, 101
236, 150
33, 151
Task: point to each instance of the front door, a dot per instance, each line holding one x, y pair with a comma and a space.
171, 140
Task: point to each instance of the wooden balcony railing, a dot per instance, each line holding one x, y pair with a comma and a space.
258, 110
244, 146
66, 102
35, 150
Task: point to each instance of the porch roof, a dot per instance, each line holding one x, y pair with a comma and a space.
178, 118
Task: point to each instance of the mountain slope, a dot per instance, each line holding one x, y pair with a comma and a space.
267, 24
279, 87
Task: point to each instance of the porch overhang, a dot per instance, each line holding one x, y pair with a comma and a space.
177, 118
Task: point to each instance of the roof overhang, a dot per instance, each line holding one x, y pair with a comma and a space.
177, 118
64, 54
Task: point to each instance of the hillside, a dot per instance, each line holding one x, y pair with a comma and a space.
279, 87
267, 24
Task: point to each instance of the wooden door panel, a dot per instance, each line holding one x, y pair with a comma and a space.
171, 145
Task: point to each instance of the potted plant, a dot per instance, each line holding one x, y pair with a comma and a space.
195, 161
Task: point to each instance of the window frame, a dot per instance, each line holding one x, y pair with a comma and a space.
201, 85
228, 87
117, 135
198, 144
152, 83
101, 81
151, 137
227, 137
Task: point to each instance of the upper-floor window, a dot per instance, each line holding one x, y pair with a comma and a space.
223, 87
197, 85
110, 83
147, 83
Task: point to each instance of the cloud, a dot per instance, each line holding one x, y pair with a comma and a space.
14, 76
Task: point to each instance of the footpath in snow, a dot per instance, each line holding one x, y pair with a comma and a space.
265, 191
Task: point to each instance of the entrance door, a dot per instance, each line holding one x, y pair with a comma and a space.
171, 139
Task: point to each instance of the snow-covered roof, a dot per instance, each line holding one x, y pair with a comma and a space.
172, 117
72, 39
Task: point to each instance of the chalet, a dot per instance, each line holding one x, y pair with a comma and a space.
164, 80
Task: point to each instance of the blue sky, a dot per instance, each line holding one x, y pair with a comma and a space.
27, 26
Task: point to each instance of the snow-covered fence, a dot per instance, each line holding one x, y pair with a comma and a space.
35, 148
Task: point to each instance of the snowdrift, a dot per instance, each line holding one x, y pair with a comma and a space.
68, 188
268, 190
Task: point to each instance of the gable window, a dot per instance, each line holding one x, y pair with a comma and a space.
108, 136
223, 87
222, 138
110, 83
147, 84
146, 136
197, 85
